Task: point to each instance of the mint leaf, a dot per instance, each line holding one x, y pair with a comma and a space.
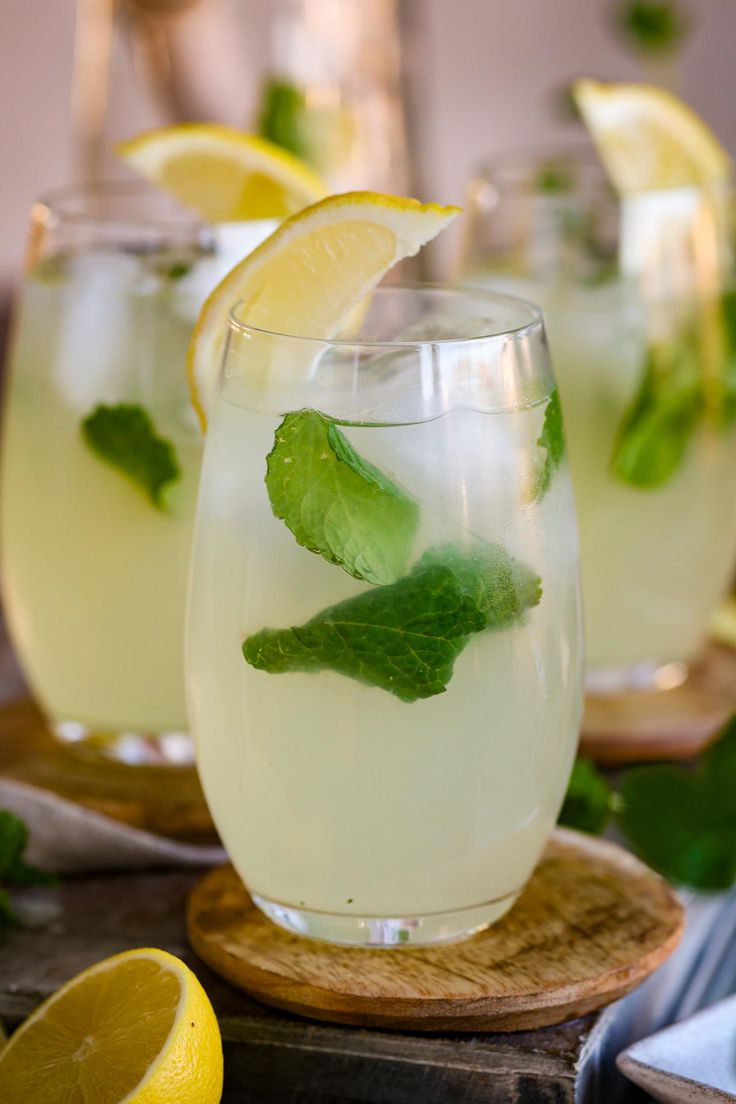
683, 822
337, 504
125, 438
13, 868
500, 586
728, 313
588, 801
404, 638
652, 26
282, 117
552, 439
658, 427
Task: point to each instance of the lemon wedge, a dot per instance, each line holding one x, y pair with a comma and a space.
222, 173
649, 139
313, 270
137, 1027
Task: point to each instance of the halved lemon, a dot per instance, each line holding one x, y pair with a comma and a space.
647, 138
222, 173
137, 1027
313, 270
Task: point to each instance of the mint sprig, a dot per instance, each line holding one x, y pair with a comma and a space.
657, 428
14, 870
588, 801
405, 638
679, 819
552, 440
125, 437
336, 503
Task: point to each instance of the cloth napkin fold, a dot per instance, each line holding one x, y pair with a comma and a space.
67, 838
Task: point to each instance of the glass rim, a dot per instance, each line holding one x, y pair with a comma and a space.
533, 322
59, 202
504, 171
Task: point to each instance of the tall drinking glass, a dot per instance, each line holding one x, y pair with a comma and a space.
384, 643
639, 302
101, 456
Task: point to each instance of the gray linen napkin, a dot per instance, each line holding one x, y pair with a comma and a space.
67, 838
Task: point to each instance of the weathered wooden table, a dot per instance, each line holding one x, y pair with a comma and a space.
274, 1057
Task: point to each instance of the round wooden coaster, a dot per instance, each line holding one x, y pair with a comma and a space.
663, 724
591, 925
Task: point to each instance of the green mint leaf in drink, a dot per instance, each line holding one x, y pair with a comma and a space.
682, 821
552, 440
405, 638
588, 801
125, 437
282, 117
728, 314
337, 504
658, 427
501, 587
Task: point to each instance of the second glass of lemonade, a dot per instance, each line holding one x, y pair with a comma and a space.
101, 457
385, 738
639, 301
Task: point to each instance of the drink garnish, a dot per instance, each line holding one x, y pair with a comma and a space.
336, 503
552, 440
125, 437
405, 638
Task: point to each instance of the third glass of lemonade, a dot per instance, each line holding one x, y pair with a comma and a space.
101, 456
640, 306
385, 737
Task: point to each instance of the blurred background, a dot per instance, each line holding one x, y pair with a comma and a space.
402, 94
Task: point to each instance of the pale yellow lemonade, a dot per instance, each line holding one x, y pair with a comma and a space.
333, 795
655, 560
95, 573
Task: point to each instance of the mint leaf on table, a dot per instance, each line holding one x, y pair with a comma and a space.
589, 799
337, 504
403, 638
552, 439
125, 437
658, 426
14, 870
683, 822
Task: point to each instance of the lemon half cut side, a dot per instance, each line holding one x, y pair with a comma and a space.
137, 1028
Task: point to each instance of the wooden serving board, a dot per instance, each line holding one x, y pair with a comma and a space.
663, 724
167, 801
590, 926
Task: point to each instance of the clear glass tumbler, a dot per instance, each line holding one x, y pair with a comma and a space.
101, 456
640, 306
384, 656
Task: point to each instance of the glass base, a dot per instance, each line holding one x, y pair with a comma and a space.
161, 749
384, 931
639, 677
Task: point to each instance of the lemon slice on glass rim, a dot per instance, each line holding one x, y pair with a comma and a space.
310, 273
649, 139
137, 1027
223, 174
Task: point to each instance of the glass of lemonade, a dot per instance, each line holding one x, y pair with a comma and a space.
101, 457
384, 733
640, 307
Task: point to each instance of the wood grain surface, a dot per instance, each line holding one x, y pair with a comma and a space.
663, 724
272, 1057
592, 923
164, 800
